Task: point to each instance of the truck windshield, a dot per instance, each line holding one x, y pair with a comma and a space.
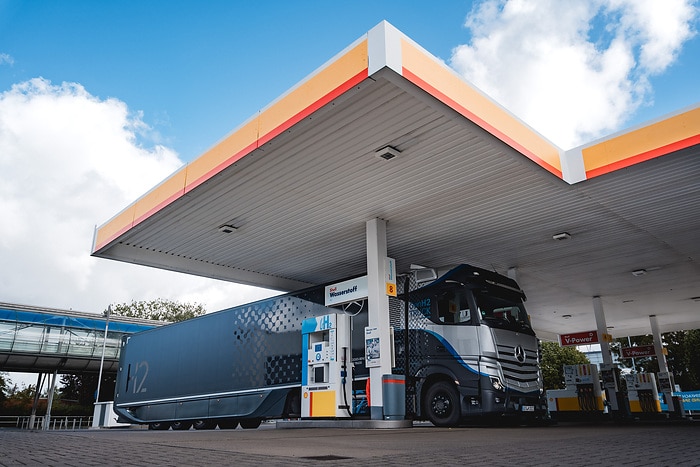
447, 303
503, 311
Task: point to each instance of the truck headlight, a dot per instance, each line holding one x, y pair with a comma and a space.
496, 383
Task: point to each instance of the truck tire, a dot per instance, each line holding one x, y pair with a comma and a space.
292, 406
228, 424
181, 425
204, 424
442, 405
158, 426
250, 423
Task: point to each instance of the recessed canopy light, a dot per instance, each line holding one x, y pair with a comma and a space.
566, 316
227, 228
387, 153
639, 272
561, 236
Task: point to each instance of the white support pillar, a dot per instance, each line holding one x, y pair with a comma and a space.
37, 394
663, 365
602, 328
378, 303
49, 403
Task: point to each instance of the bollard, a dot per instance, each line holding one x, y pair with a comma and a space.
394, 395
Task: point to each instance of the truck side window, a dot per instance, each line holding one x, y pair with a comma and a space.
453, 307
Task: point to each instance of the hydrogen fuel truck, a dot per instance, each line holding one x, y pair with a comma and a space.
461, 338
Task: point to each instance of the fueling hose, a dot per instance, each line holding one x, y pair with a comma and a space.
344, 374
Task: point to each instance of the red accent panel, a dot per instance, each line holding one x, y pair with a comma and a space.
347, 85
479, 121
645, 156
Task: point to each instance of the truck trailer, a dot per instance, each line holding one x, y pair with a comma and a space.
462, 341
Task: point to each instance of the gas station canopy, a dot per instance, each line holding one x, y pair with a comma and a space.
385, 130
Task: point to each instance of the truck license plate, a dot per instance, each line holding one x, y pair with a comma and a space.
528, 408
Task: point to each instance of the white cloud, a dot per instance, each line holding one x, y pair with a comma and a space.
68, 161
573, 70
6, 58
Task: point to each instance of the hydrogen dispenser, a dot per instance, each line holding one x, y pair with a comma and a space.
326, 382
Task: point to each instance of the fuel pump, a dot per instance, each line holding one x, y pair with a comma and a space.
582, 395
326, 385
642, 393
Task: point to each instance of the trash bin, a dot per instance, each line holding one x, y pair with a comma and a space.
394, 395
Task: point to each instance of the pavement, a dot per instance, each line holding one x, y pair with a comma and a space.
565, 444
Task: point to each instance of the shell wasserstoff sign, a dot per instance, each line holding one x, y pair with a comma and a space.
346, 291
579, 338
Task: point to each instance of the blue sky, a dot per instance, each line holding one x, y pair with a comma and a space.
101, 100
198, 69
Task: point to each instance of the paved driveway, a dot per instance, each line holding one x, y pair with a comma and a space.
566, 445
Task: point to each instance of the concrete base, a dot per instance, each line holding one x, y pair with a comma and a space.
340, 423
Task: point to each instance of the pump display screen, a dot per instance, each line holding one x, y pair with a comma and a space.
318, 347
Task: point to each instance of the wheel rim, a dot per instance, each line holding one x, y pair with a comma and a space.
441, 405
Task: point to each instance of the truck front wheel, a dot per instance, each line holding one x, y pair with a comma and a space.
442, 405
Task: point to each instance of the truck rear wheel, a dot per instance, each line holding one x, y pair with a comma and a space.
181, 425
442, 405
204, 424
158, 426
250, 423
228, 424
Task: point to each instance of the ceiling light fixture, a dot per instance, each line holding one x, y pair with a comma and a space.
227, 229
566, 316
561, 236
387, 153
639, 272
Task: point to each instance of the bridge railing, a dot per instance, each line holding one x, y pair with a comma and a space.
68, 422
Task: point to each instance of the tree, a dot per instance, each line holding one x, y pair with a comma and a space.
159, 310
554, 357
81, 388
684, 357
3, 387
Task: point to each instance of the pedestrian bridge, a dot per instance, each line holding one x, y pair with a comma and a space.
40, 340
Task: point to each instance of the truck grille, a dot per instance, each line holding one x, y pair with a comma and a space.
520, 373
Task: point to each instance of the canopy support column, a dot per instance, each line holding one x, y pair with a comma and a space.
665, 378
378, 303
607, 367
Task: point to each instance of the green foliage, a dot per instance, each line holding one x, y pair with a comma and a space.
80, 389
19, 401
3, 386
159, 310
554, 357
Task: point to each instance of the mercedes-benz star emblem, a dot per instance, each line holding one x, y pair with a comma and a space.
519, 353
